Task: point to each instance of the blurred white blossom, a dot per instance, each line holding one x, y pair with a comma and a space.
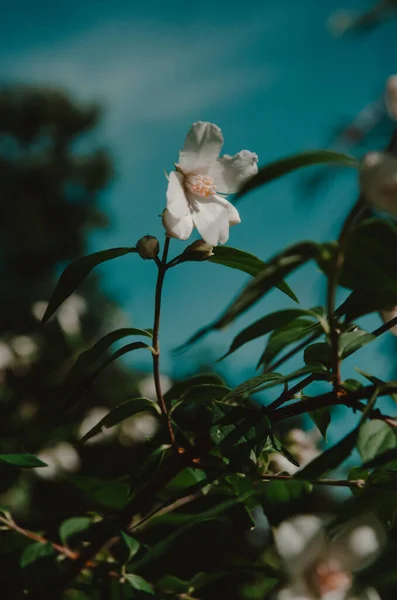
92, 417
320, 567
25, 347
389, 314
147, 388
68, 314
391, 96
303, 447
194, 188
138, 428
59, 459
7, 357
378, 181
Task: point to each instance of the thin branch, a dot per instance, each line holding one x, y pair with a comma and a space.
353, 483
289, 394
162, 268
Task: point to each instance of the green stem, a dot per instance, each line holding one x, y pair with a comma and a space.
162, 268
354, 483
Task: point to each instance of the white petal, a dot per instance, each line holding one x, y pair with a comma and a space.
211, 217
202, 146
358, 542
388, 315
230, 172
296, 591
378, 181
177, 228
300, 541
177, 203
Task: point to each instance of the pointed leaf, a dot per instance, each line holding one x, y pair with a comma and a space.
321, 418
34, 552
263, 326
87, 358
138, 583
275, 270
72, 526
330, 459
291, 163
132, 544
25, 461
181, 387
75, 273
121, 412
286, 335
375, 437
243, 261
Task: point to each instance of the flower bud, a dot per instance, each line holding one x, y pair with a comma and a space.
199, 250
391, 96
148, 247
378, 181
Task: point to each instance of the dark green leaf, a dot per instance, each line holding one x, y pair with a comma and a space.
179, 388
89, 357
360, 303
319, 353
25, 461
243, 261
112, 494
75, 273
351, 341
264, 326
330, 459
369, 260
121, 412
172, 584
288, 334
206, 392
375, 437
275, 270
72, 526
138, 583
35, 551
132, 544
321, 418
291, 163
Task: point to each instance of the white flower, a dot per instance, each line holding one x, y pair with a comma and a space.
60, 458
7, 357
321, 568
194, 188
378, 181
391, 96
92, 417
389, 314
147, 388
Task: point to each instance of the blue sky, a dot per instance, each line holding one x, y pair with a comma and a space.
268, 73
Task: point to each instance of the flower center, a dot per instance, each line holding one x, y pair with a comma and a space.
328, 577
200, 185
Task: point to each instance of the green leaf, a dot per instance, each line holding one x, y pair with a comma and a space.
275, 270
25, 461
319, 353
112, 494
75, 273
121, 412
206, 392
179, 388
283, 166
360, 303
265, 325
375, 437
288, 334
351, 341
89, 357
132, 544
248, 263
72, 526
34, 552
321, 418
90, 380
369, 259
138, 583
330, 459
172, 584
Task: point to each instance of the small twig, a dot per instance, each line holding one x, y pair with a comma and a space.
38, 538
354, 483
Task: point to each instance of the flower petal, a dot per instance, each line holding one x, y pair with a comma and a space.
365, 594
177, 228
300, 541
203, 144
297, 591
177, 203
358, 542
230, 172
378, 181
211, 217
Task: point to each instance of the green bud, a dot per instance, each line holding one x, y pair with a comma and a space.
148, 247
197, 251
